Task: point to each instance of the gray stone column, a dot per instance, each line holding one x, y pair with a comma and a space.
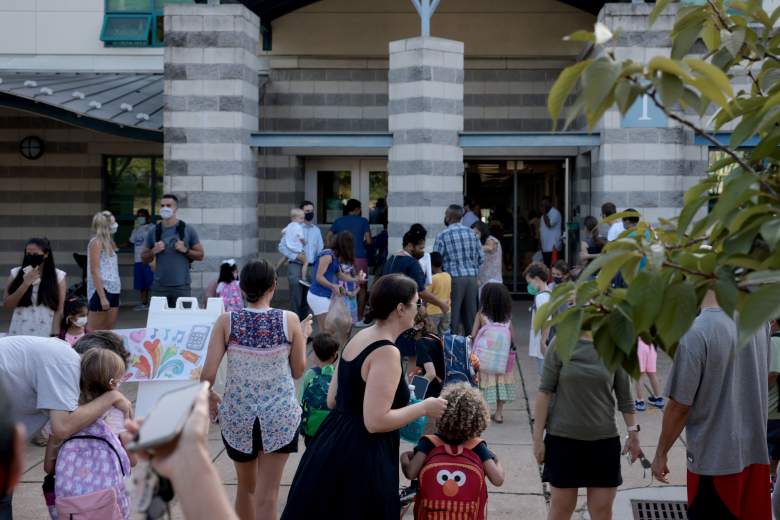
648, 169
425, 109
211, 107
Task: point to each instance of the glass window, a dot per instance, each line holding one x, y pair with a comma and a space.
128, 5
126, 30
334, 188
377, 197
135, 23
131, 183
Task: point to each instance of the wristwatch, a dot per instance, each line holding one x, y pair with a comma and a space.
634, 428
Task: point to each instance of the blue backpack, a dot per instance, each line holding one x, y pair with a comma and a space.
457, 365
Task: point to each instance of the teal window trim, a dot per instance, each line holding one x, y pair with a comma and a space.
141, 37
152, 14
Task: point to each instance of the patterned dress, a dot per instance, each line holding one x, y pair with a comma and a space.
231, 296
491, 270
33, 320
498, 387
259, 382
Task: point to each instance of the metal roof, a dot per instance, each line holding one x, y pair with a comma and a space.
124, 104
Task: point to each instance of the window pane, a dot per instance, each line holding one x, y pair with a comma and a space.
126, 28
129, 188
377, 197
334, 188
159, 4
129, 5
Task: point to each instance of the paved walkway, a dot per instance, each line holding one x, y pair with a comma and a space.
523, 496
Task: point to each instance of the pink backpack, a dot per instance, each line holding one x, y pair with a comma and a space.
89, 476
492, 347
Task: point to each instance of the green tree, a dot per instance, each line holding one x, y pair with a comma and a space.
726, 237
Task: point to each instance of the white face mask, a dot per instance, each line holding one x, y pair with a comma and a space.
80, 322
114, 227
166, 213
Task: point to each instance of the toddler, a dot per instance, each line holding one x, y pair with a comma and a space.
74, 320
316, 380
351, 290
293, 241
102, 371
465, 418
647, 361
441, 287
228, 288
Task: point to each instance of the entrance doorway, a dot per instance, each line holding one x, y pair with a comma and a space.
509, 194
330, 182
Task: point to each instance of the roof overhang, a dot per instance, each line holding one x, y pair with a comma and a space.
127, 105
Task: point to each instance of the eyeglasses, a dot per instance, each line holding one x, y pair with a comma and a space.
419, 304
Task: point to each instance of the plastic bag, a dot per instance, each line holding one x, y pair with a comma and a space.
338, 321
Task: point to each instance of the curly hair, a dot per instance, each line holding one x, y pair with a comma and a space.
467, 413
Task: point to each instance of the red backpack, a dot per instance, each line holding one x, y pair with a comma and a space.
452, 483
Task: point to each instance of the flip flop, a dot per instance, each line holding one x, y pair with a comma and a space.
496, 419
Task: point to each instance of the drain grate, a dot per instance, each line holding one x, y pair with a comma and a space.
659, 510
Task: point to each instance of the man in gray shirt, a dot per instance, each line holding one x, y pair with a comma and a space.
718, 392
174, 245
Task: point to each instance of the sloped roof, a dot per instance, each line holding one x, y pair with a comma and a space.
118, 103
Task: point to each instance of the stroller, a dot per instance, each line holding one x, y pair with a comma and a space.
79, 288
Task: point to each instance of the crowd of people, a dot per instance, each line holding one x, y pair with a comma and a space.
356, 395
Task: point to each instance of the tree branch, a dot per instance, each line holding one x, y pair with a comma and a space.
691, 272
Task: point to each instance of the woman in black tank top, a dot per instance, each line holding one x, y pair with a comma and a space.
350, 471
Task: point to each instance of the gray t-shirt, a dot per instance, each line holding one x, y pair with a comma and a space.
40, 374
586, 394
173, 268
726, 389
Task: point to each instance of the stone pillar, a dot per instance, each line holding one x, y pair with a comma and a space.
211, 107
646, 161
425, 109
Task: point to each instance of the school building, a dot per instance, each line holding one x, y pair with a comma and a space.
243, 109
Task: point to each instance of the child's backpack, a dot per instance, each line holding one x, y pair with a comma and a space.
89, 476
452, 483
492, 347
314, 400
457, 364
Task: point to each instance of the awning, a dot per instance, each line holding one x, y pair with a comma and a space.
129, 105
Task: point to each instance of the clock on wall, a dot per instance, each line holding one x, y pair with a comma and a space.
31, 147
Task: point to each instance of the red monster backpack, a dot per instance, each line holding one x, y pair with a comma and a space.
452, 483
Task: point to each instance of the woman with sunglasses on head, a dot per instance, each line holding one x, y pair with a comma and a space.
36, 292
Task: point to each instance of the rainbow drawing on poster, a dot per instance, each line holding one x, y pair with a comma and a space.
166, 354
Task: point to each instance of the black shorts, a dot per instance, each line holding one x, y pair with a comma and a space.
773, 438
257, 446
571, 463
94, 302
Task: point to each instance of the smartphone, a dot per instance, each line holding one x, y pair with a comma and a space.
420, 387
166, 418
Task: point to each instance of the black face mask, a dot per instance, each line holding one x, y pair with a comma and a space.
309, 216
557, 279
32, 260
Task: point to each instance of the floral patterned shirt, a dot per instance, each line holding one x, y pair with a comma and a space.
231, 296
259, 382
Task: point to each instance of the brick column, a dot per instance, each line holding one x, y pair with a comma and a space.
648, 169
211, 107
425, 109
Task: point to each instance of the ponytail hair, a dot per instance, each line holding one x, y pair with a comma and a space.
256, 278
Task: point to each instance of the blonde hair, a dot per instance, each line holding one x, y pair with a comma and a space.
101, 226
297, 212
467, 413
101, 370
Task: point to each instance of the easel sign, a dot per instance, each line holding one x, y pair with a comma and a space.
174, 349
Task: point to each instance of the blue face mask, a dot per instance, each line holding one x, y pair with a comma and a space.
533, 291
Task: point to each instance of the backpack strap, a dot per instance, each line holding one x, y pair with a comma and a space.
472, 443
157, 232
95, 437
180, 229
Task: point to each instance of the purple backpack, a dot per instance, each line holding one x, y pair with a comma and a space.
89, 476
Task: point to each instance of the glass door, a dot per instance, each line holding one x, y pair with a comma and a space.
331, 182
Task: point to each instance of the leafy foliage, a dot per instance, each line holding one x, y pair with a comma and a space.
725, 239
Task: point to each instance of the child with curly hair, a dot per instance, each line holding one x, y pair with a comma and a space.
466, 417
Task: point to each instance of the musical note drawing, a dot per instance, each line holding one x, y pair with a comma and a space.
179, 337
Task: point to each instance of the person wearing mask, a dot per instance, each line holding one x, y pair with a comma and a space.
549, 230
43, 376
462, 256
298, 286
351, 468
35, 291
591, 243
103, 283
425, 260
143, 276
174, 245
472, 214
357, 225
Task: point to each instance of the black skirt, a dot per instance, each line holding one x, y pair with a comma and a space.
570, 463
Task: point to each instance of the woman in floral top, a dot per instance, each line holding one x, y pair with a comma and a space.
259, 414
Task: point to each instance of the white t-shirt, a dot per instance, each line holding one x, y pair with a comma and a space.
550, 237
138, 239
535, 339
41, 374
425, 263
293, 238
615, 230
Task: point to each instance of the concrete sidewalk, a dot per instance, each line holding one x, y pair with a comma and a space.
523, 495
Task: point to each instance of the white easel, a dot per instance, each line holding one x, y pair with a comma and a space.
162, 316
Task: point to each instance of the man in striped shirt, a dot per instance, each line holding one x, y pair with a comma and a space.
462, 255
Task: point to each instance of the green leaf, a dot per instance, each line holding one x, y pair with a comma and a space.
660, 5
586, 291
622, 331
734, 42
581, 36
758, 308
684, 40
598, 81
711, 36
678, 311
625, 95
726, 293
733, 193
766, 147
568, 333
712, 73
563, 86
667, 65
691, 99
645, 295
611, 267
761, 278
711, 92
745, 130
770, 231
671, 88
